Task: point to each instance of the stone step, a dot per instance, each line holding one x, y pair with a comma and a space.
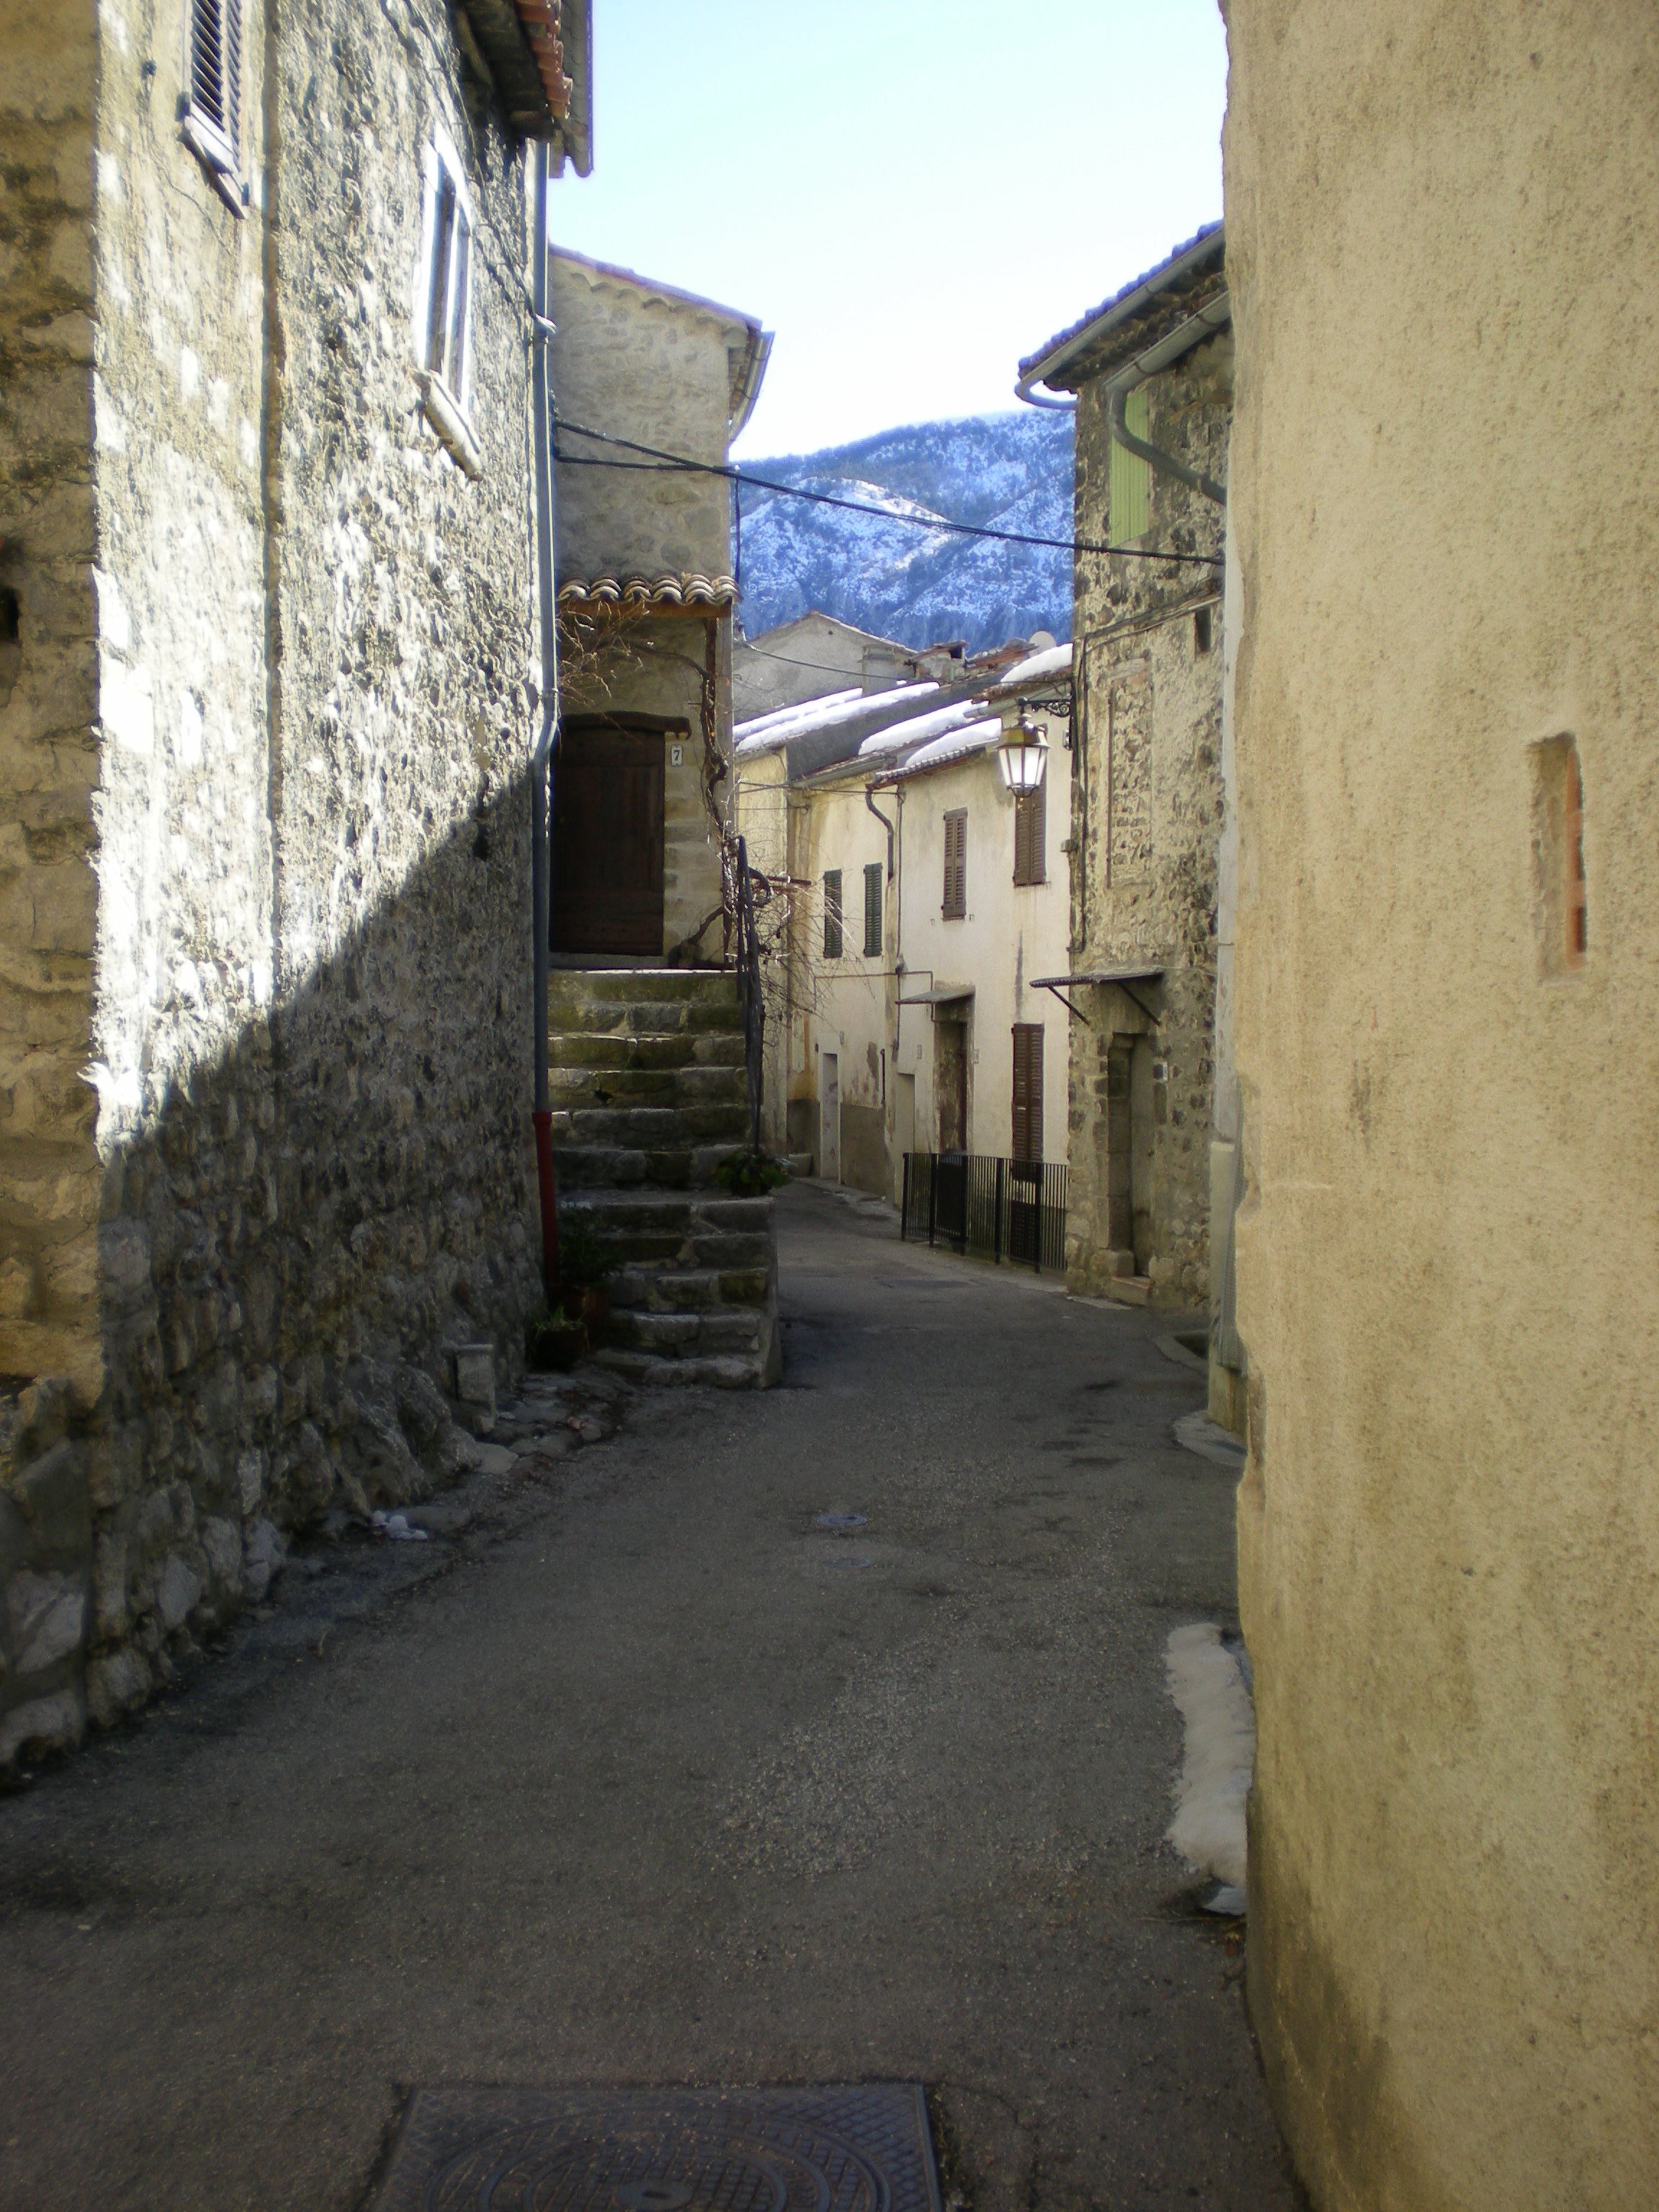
614, 1210
590, 1167
651, 1128
584, 987
728, 1371
574, 1087
640, 1287
638, 1049
687, 1335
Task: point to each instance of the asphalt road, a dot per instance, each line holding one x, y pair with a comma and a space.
646, 1777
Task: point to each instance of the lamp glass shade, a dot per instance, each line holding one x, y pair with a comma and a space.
1024, 753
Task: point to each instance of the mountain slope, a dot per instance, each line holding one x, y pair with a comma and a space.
918, 584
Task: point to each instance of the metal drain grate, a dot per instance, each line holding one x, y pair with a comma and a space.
861, 2147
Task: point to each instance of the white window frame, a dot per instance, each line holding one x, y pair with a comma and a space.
216, 141
446, 382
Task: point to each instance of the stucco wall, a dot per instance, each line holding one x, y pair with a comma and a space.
1444, 240
639, 361
1147, 808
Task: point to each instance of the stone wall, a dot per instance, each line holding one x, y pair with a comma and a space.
50, 1368
1146, 817
305, 1010
1442, 249
641, 361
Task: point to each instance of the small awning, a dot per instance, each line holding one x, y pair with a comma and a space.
1125, 978
1097, 975
942, 994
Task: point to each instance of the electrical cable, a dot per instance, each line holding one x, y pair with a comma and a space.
659, 461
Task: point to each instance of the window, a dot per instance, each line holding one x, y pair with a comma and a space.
832, 913
1129, 479
955, 907
444, 297
1561, 889
1203, 629
1027, 1142
211, 118
1031, 835
873, 911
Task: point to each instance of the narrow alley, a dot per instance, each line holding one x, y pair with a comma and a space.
658, 1778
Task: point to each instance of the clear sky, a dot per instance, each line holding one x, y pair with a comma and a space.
910, 193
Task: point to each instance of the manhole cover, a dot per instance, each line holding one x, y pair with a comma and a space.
833, 2149
838, 1521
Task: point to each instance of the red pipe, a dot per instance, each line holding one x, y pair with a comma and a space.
543, 1119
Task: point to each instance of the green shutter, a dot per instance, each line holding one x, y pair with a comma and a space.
832, 913
873, 911
1129, 514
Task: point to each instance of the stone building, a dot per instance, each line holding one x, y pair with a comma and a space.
1443, 248
1151, 370
266, 694
641, 797
788, 666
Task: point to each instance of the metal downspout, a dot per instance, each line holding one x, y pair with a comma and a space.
543, 752
1117, 396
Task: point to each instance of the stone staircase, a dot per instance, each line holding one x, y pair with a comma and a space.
647, 1089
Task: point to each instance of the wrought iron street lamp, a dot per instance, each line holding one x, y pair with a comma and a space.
1024, 753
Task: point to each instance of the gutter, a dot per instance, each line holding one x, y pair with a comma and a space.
543, 753
1214, 315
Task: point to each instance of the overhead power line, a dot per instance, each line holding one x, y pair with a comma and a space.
681, 462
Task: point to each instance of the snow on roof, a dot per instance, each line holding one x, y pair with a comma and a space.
816, 717
774, 717
1054, 661
921, 727
958, 745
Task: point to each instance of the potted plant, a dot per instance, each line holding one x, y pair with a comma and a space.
750, 1173
584, 1264
555, 1340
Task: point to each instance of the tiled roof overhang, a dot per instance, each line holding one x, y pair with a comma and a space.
1133, 318
537, 55
651, 595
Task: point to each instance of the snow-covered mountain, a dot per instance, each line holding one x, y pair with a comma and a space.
918, 585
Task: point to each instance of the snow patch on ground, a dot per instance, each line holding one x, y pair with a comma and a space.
1219, 1757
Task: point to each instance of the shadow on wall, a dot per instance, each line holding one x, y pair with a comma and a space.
287, 1247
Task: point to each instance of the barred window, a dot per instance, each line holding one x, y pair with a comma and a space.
210, 118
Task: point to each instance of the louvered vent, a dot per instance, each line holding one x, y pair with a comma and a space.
213, 105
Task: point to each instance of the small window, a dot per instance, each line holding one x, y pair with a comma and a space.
210, 112
1031, 835
444, 295
873, 911
1203, 629
832, 913
955, 905
1561, 891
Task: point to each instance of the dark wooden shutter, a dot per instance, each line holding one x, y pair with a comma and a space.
832, 913
956, 865
1027, 1142
1031, 835
873, 911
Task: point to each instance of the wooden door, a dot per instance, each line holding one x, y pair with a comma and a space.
1027, 1132
607, 841
951, 1084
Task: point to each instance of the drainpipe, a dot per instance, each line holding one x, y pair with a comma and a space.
543, 753
869, 801
1117, 396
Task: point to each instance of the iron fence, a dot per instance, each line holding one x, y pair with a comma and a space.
1012, 1210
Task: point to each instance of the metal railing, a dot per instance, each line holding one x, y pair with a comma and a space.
1012, 1210
750, 1003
